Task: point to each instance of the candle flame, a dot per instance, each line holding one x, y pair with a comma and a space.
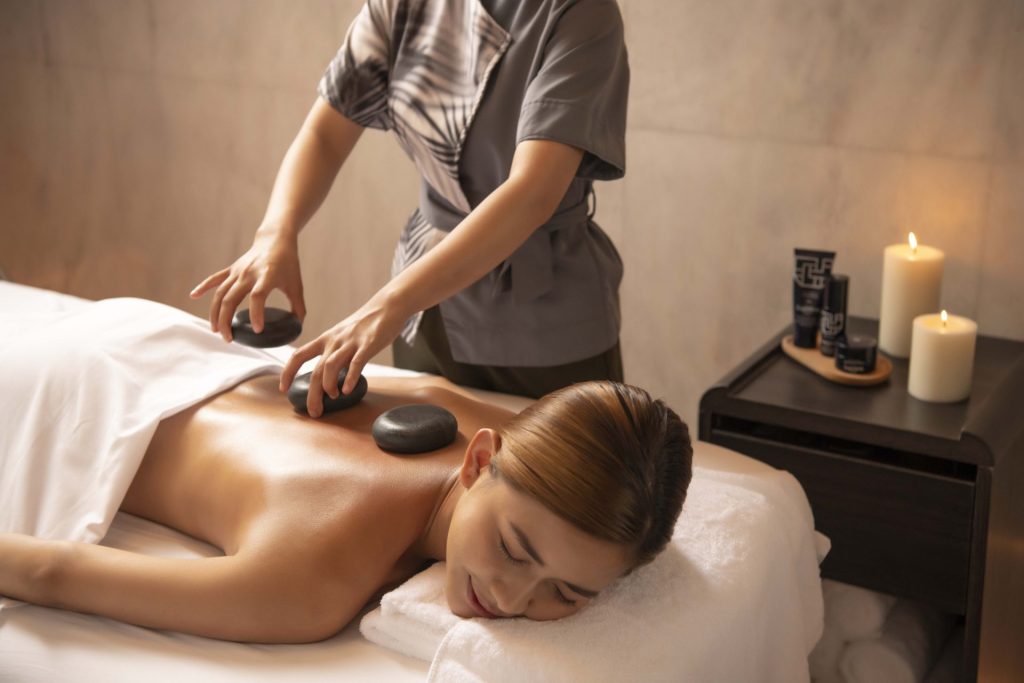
913, 242
944, 316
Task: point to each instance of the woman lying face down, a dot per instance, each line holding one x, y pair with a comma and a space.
577, 490
534, 514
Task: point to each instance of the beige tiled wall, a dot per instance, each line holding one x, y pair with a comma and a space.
139, 141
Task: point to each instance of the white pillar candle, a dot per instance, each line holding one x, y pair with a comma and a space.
942, 357
911, 282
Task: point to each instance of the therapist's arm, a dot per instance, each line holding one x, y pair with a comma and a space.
272, 262
538, 180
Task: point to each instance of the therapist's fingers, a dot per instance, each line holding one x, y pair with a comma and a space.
355, 369
228, 305
315, 396
297, 302
257, 304
333, 363
218, 296
209, 283
302, 354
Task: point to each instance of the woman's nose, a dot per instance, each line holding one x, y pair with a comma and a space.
512, 596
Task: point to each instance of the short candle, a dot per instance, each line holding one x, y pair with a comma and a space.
942, 357
911, 283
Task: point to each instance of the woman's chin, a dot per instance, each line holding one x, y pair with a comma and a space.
457, 607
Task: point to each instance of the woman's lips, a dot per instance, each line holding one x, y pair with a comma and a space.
475, 603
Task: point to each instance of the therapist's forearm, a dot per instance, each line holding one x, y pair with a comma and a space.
485, 238
308, 170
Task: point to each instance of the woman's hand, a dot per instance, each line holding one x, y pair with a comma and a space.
349, 344
271, 263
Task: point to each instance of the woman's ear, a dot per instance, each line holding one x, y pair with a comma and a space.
481, 449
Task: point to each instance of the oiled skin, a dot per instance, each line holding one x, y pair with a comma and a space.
314, 518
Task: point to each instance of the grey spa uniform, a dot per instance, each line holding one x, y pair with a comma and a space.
461, 83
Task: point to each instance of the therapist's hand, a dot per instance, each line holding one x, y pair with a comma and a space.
349, 344
271, 263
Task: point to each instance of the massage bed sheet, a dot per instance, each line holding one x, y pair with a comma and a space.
40, 644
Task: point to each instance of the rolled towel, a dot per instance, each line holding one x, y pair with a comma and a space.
855, 613
947, 669
824, 658
910, 643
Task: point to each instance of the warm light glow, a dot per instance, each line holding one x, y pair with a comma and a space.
944, 317
913, 242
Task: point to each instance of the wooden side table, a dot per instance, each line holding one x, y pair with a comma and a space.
921, 500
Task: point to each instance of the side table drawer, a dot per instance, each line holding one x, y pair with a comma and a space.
893, 529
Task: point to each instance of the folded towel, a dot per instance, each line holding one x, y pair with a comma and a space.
909, 645
735, 597
855, 613
824, 658
414, 619
947, 669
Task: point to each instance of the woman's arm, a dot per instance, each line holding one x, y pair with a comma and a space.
230, 598
540, 175
307, 172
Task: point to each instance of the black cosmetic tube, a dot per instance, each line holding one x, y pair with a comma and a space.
811, 274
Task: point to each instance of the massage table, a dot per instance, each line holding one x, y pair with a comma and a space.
41, 644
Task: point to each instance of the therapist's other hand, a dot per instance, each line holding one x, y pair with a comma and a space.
272, 262
349, 344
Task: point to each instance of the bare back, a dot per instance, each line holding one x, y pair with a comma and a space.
307, 503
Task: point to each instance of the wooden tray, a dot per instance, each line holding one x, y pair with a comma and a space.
825, 366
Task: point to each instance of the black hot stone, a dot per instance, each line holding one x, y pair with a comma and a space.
300, 388
415, 428
280, 327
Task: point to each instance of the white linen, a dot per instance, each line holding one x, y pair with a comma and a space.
84, 390
735, 597
947, 669
854, 612
909, 645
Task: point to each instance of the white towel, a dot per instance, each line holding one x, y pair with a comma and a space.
824, 658
83, 391
414, 619
735, 597
855, 613
947, 669
910, 644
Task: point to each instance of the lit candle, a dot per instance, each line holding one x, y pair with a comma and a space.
911, 280
942, 357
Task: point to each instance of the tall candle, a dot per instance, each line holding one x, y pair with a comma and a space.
942, 357
911, 281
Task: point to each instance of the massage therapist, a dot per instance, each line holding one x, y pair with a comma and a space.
501, 280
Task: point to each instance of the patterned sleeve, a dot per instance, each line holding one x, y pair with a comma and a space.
579, 95
356, 81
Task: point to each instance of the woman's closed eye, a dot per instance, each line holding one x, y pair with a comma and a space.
506, 553
562, 599
559, 595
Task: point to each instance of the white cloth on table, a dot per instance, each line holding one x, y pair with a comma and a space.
735, 597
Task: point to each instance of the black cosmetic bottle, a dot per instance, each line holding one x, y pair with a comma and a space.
833, 313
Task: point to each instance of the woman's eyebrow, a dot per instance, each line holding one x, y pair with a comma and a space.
528, 547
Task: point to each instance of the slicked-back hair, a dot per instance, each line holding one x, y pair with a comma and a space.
607, 458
